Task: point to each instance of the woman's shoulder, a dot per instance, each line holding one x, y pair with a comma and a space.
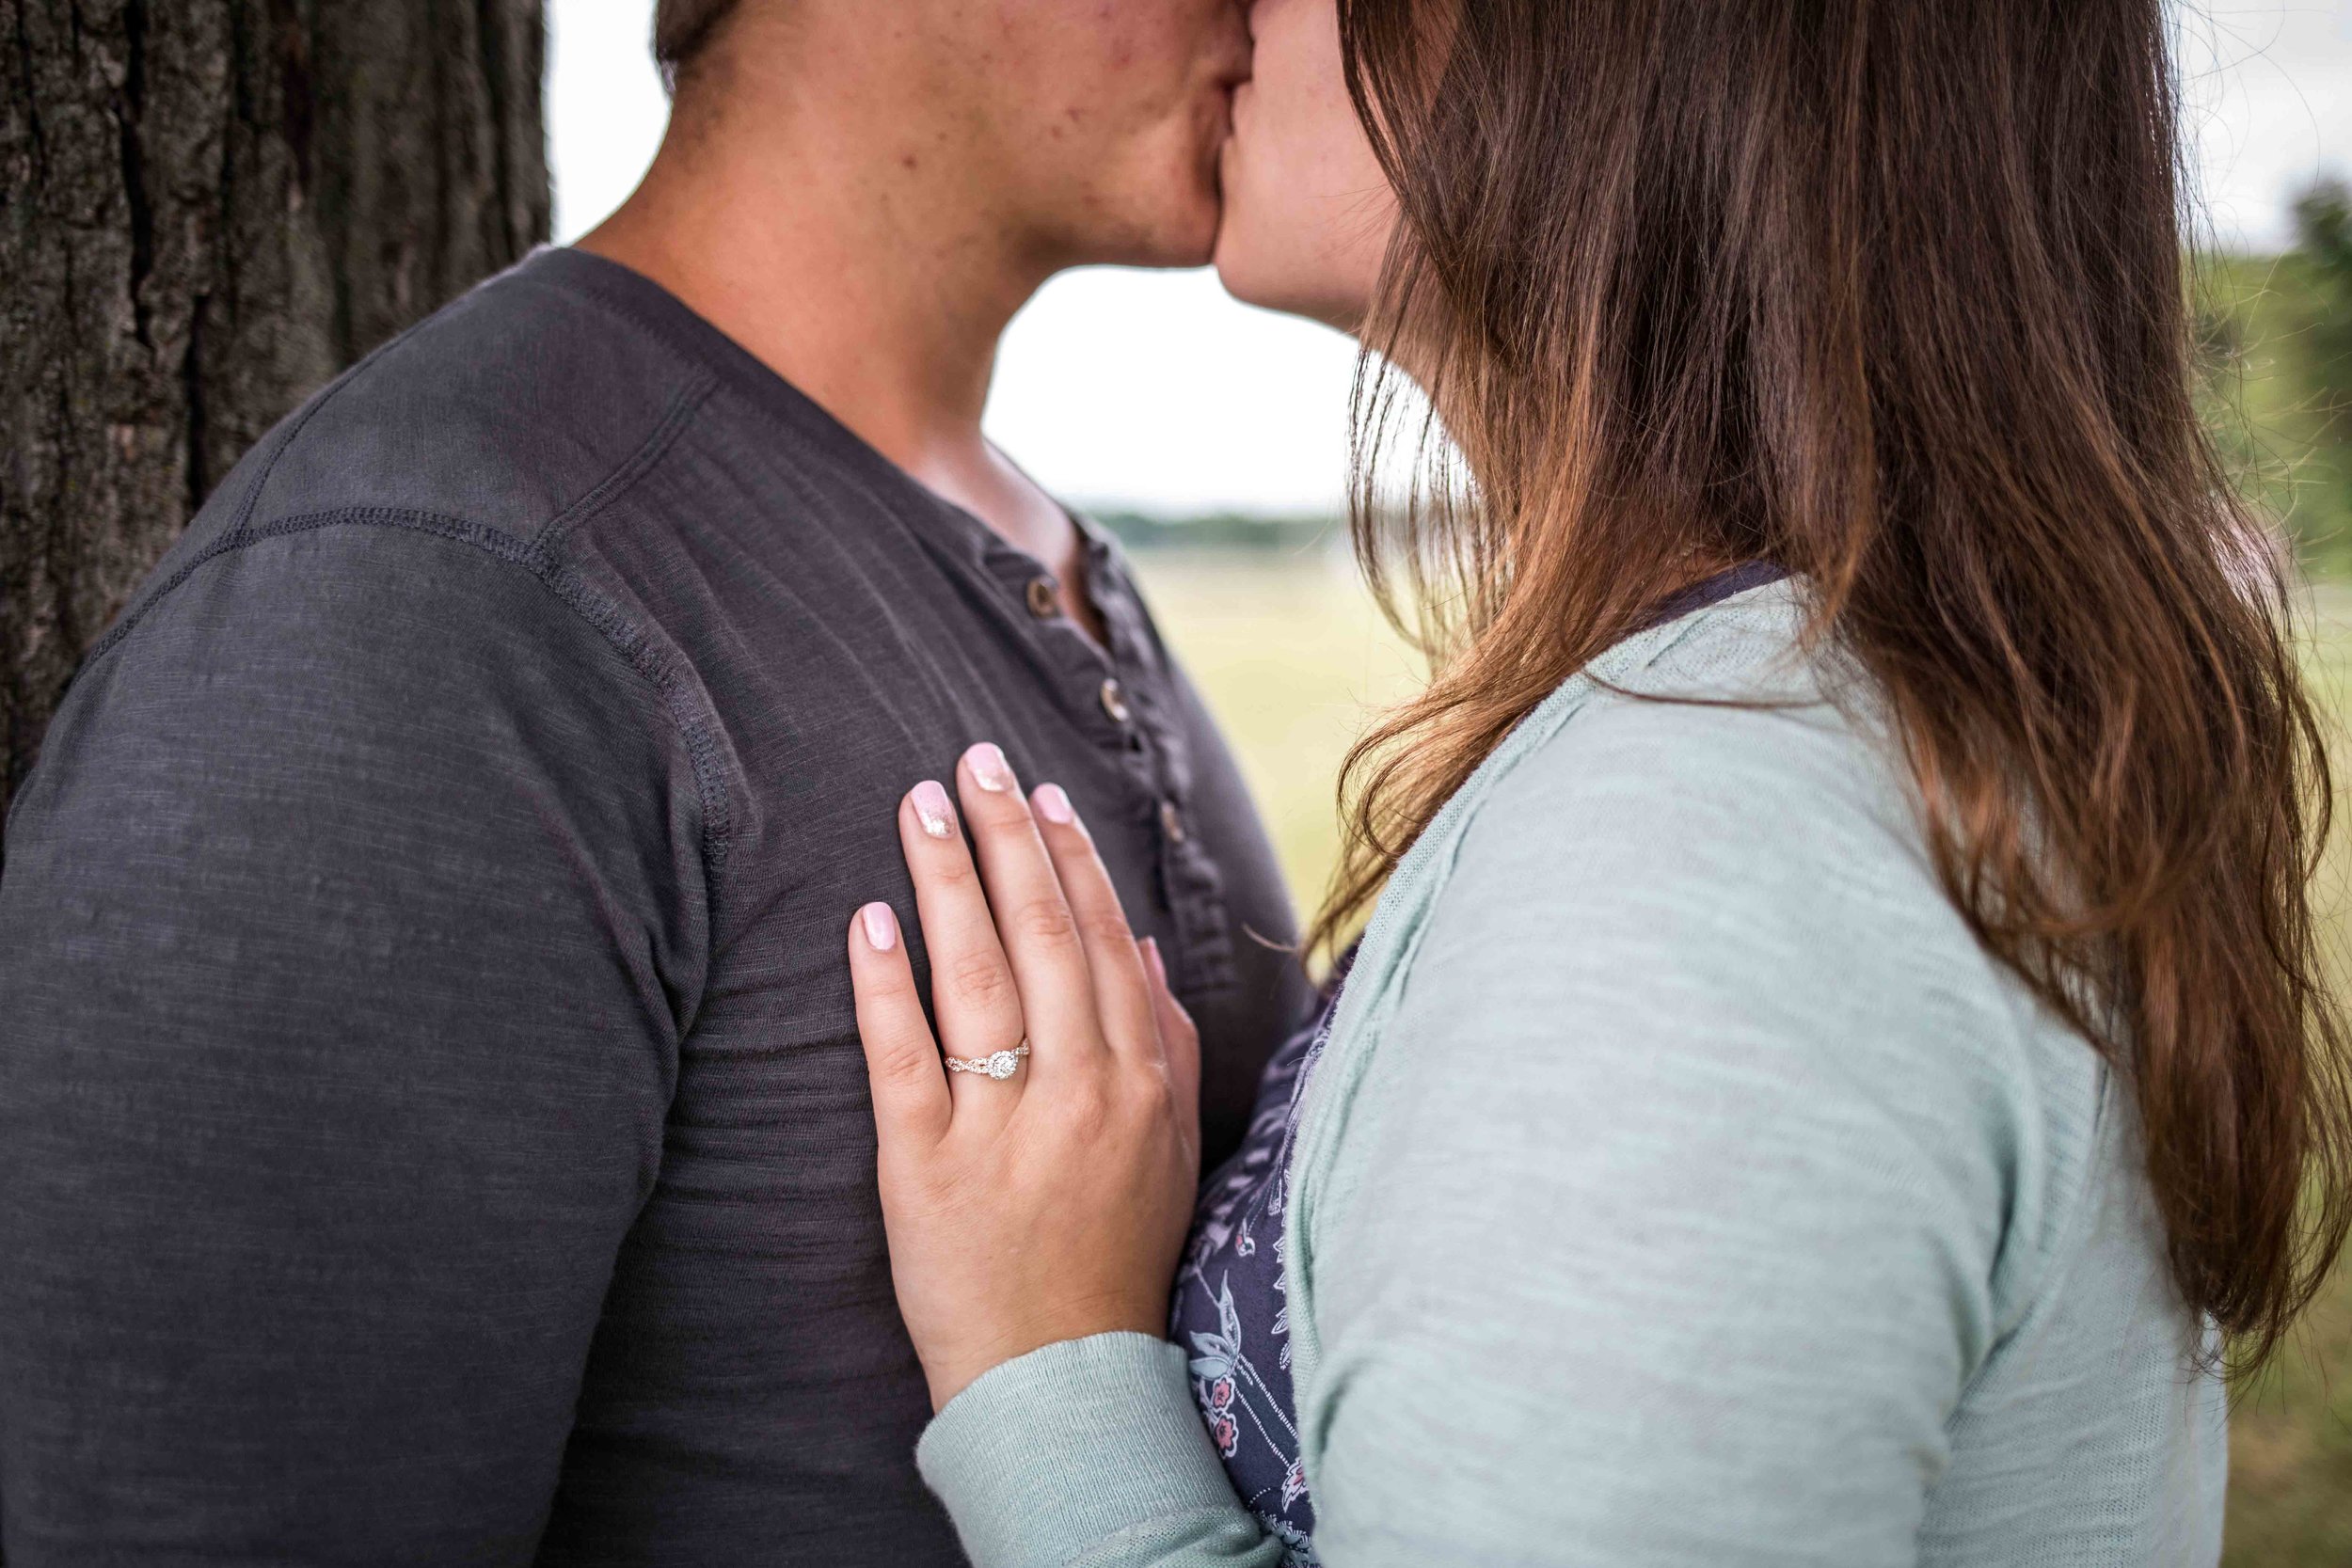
1768, 859
1690, 1062
1736, 690
1726, 798
1707, 892
1725, 775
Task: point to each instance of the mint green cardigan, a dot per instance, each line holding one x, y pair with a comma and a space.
1682, 1186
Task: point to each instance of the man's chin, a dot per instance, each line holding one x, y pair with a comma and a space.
1185, 238
1171, 260
1183, 232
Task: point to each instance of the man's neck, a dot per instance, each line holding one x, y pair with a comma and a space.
871, 271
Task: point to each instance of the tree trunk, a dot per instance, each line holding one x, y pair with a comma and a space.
207, 209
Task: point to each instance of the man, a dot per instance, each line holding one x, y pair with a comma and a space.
432, 1124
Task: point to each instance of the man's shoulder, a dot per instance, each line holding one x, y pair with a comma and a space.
399, 532
508, 410
483, 431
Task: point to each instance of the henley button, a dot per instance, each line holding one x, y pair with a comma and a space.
1171, 822
1115, 703
1043, 603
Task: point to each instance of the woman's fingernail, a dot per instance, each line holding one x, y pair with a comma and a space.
1053, 803
989, 769
882, 926
1151, 956
933, 809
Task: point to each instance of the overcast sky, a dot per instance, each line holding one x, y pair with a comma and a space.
1153, 390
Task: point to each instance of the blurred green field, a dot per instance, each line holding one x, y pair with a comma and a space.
2291, 1439
1291, 655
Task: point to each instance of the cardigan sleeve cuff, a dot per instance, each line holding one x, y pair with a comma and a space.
1059, 1451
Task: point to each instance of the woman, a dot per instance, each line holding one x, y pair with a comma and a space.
1838, 1071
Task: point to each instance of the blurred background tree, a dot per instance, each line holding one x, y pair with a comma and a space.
2277, 338
2323, 226
207, 209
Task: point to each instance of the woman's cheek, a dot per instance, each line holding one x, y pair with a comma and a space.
1307, 210
1288, 242
1250, 235
1268, 255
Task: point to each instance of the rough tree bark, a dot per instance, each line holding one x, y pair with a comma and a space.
207, 208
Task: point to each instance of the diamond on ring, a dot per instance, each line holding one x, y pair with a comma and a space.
999, 1065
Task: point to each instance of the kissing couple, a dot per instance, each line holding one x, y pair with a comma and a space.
636, 952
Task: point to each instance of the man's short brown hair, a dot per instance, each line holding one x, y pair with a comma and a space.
682, 27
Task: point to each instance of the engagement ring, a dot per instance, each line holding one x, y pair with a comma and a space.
1000, 1066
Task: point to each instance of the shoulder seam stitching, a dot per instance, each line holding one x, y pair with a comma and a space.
683, 405
556, 577
334, 390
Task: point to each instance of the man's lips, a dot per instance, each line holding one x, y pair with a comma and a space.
1232, 72
1228, 88
1230, 91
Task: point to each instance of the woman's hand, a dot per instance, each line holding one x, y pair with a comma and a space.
1051, 1204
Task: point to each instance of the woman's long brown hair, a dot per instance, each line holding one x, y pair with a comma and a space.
1890, 293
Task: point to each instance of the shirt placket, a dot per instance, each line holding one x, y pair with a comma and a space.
1123, 693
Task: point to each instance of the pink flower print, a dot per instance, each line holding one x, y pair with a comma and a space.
1293, 1481
1228, 1436
1221, 1393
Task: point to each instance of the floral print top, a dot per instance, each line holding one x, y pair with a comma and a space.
1231, 1312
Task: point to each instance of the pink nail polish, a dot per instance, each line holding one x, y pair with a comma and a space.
931, 808
882, 926
1053, 803
989, 769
